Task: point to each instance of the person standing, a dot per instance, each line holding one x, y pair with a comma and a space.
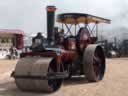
13, 52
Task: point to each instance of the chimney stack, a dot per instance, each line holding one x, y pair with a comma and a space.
50, 24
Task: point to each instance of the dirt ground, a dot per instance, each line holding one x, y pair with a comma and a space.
115, 82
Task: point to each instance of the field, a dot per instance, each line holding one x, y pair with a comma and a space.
115, 82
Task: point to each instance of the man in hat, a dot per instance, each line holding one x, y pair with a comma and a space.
37, 42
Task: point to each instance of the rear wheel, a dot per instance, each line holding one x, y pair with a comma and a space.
94, 63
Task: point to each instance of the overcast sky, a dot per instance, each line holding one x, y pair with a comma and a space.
30, 15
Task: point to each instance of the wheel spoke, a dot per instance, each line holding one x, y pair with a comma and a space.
96, 65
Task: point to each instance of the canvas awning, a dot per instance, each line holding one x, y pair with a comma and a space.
75, 18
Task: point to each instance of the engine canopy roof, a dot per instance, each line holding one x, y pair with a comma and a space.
76, 18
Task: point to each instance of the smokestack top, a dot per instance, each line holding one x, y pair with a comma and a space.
51, 8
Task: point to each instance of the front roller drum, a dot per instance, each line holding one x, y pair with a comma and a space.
37, 66
94, 63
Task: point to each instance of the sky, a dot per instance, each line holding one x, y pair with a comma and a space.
30, 15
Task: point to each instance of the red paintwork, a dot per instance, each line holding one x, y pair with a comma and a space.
19, 41
42, 54
65, 55
68, 55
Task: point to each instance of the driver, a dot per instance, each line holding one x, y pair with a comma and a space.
59, 36
37, 42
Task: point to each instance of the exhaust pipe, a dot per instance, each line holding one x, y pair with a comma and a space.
50, 24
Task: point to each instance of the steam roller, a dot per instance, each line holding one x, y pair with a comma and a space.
61, 55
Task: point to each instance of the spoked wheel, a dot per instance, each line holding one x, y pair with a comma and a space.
55, 84
94, 63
